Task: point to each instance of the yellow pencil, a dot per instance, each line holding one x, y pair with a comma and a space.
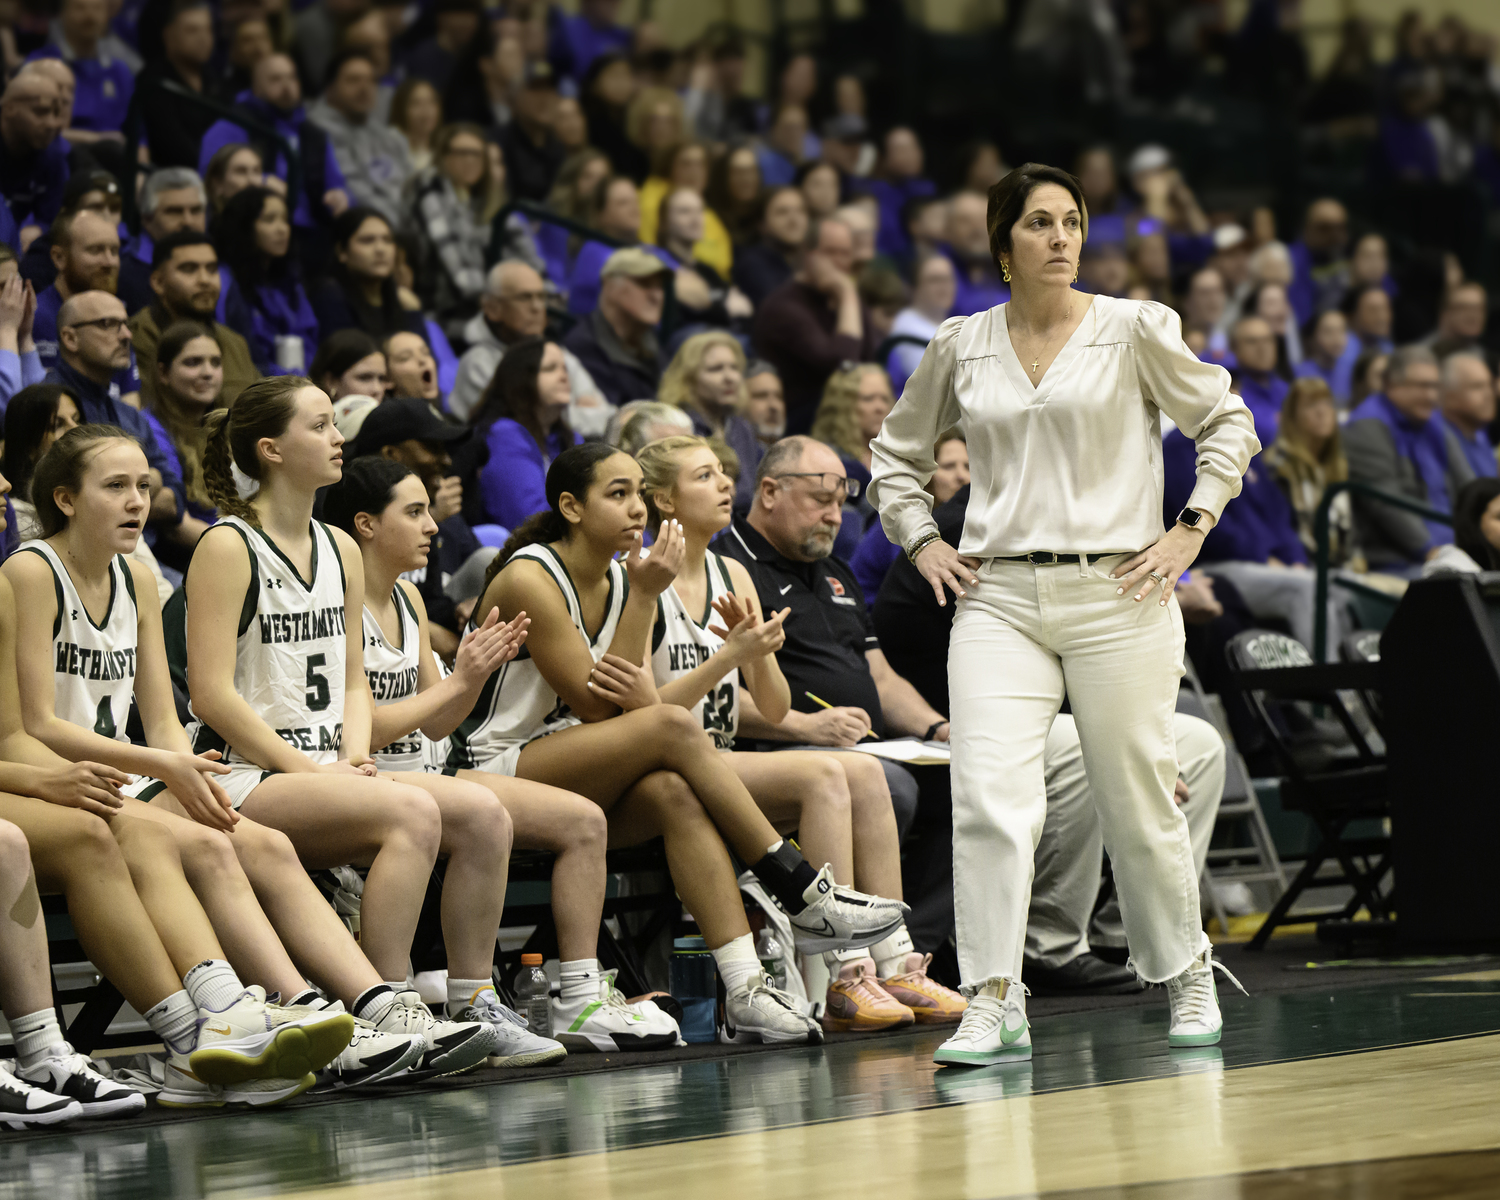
821, 703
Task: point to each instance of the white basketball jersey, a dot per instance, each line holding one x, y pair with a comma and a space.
95, 664
289, 657
682, 641
392, 672
517, 705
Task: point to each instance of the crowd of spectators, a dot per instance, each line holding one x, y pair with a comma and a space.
741, 269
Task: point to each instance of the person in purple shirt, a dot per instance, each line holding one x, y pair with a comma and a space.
577, 41
1406, 151
1394, 442
103, 84
254, 239
275, 100
900, 180
523, 420
1331, 353
1320, 259
87, 255
1254, 348
979, 284
1255, 546
33, 156
1467, 407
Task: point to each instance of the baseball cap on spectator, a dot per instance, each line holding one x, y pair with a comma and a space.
394, 421
1150, 157
349, 413
633, 263
539, 74
1227, 237
82, 184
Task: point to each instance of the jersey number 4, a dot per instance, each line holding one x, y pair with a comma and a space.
317, 684
104, 719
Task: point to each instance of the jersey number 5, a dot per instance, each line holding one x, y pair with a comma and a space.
317, 684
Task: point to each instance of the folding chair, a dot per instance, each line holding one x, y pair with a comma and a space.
1258, 862
1334, 775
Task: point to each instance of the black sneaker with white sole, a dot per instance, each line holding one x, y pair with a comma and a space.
64, 1072
23, 1106
452, 1047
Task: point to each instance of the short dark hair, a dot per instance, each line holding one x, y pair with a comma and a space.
161, 253
342, 59
1008, 200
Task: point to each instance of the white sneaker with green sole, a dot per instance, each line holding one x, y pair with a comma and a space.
1196, 1020
993, 1030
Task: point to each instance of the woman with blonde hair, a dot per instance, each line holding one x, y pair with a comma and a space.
854, 405
1306, 457
839, 803
654, 121
706, 379
580, 174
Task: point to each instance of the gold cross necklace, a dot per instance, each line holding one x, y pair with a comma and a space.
1036, 362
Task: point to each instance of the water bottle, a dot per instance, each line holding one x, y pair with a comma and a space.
695, 984
534, 995
772, 958
291, 354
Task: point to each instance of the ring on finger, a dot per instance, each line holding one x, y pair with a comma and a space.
1156, 576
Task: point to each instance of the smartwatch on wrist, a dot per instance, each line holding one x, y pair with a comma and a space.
1190, 517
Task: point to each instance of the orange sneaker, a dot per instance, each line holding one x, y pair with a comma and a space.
857, 1002
929, 1001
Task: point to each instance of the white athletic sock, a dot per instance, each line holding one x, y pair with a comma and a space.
837, 960
213, 985
463, 991
304, 997
35, 1034
175, 1021
371, 1000
399, 985
737, 963
580, 980
890, 953
776, 845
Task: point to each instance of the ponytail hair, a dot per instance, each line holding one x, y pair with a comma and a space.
571, 472
63, 466
658, 462
368, 484
262, 410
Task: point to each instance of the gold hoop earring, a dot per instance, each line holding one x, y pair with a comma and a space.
1005, 272
1075, 274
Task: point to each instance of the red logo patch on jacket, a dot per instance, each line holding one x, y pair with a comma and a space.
835, 586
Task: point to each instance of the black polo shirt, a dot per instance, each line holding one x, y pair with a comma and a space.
913, 630
828, 630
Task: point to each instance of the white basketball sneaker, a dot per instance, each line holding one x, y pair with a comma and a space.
994, 1030
607, 1023
760, 1012
839, 918
1196, 1020
254, 1040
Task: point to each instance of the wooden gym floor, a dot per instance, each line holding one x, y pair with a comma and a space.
1345, 1088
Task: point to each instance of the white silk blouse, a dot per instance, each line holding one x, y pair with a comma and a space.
1074, 464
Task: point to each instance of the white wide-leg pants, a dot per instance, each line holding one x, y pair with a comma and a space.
1070, 857
1023, 637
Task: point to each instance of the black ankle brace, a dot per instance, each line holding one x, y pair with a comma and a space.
787, 875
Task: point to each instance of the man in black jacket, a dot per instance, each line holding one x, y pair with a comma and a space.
617, 341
